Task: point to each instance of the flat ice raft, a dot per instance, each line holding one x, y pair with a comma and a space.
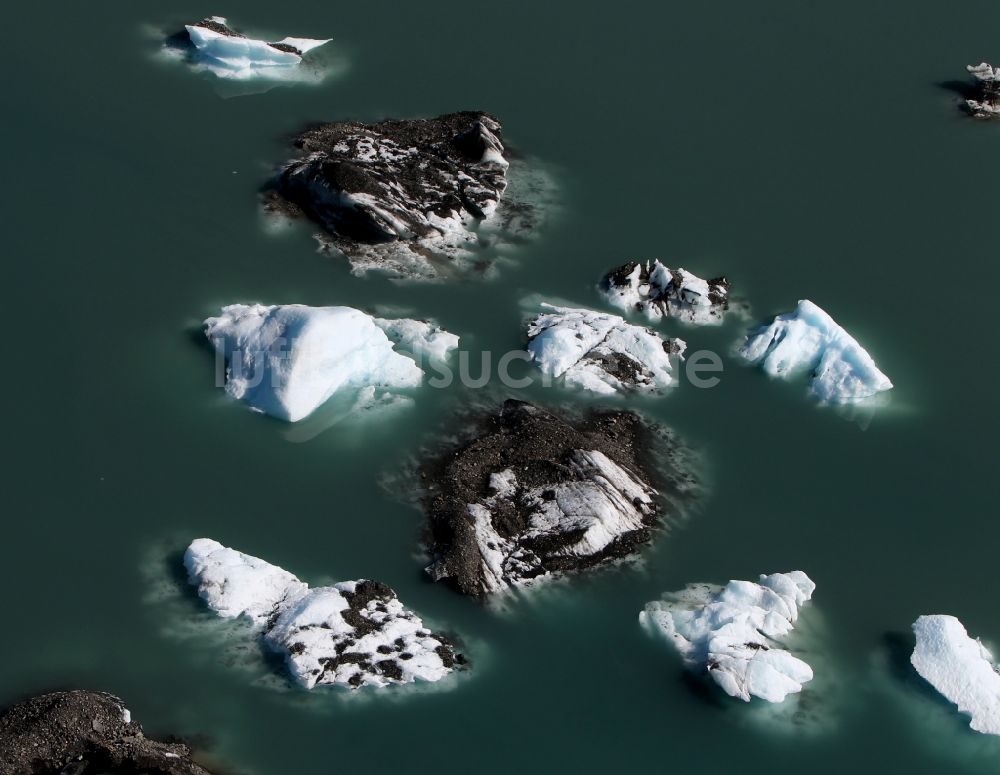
731, 632
287, 360
960, 668
230, 54
809, 339
600, 352
355, 633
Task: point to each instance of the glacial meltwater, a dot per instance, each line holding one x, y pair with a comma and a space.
801, 151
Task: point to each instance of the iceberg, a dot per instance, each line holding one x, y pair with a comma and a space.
404, 197
731, 632
809, 339
218, 48
352, 634
658, 292
600, 352
988, 82
533, 497
287, 360
960, 668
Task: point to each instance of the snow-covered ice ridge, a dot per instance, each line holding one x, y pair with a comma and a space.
961, 668
404, 197
659, 292
287, 360
600, 352
988, 79
220, 49
809, 339
355, 633
731, 632
532, 497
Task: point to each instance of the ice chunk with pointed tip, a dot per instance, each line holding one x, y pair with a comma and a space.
809, 339
235, 584
287, 360
600, 352
732, 632
230, 54
961, 668
355, 633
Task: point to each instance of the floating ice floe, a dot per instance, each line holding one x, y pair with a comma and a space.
600, 352
988, 80
960, 668
287, 360
732, 632
809, 339
406, 197
218, 48
355, 633
533, 497
659, 292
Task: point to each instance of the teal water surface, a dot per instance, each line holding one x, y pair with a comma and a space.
803, 151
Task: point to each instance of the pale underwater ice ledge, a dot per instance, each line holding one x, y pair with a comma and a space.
809, 340
211, 45
349, 634
600, 352
288, 360
733, 633
427, 199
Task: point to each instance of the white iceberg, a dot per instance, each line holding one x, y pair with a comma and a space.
600, 352
355, 633
731, 632
419, 338
659, 292
287, 360
809, 339
960, 668
229, 54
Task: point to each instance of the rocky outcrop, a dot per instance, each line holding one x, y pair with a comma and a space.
406, 197
84, 733
532, 496
987, 102
658, 292
353, 634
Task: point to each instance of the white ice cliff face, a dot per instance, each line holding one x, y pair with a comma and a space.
600, 352
988, 79
809, 339
732, 632
960, 668
566, 523
658, 292
230, 54
355, 633
287, 360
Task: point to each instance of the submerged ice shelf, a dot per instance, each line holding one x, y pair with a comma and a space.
731, 632
354, 633
218, 48
600, 352
959, 667
808, 339
287, 360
